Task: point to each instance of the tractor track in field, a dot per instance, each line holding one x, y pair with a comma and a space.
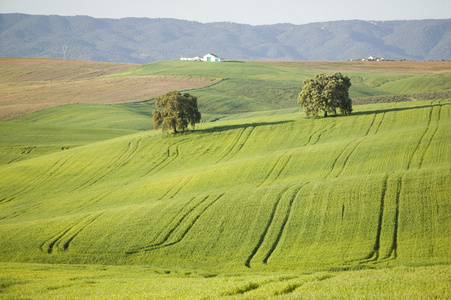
380, 123
61, 241
265, 231
238, 144
177, 187
393, 252
195, 217
433, 128
278, 167
434, 131
172, 153
120, 161
284, 223
374, 256
39, 180
319, 133
353, 148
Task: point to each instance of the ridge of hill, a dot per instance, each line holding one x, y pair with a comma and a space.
142, 40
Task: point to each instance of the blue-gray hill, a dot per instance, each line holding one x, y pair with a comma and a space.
142, 40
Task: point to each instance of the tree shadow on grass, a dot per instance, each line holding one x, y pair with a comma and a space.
378, 111
238, 126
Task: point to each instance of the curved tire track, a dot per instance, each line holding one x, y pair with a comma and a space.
61, 242
171, 234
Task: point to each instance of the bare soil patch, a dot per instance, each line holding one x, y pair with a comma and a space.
28, 85
407, 67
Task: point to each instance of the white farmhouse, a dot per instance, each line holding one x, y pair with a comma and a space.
211, 57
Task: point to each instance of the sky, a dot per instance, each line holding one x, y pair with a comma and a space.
253, 12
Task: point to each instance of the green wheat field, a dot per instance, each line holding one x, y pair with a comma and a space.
258, 202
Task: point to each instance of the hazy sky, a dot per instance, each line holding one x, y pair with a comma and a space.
255, 12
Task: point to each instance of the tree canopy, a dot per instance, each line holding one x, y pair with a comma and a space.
179, 111
325, 94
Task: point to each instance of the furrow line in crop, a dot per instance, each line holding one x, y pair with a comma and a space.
284, 223
317, 131
265, 231
170, 227
393, 253
354, 148
235, 142
239, 144
321, 133
68, 235
420, 140
380, 123
39, 180
374, 253
275, 170
170, 231
95, 199
77, 232
178, 186
119, 162
168, 158
371, 125
347, 158
434, 131
183, 234
338, 157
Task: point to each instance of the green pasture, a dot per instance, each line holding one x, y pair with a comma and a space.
258, 202
249, 86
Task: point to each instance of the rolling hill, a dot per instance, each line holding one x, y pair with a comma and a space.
143, 40
257, 204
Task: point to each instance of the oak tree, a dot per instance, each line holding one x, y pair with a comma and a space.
178, 111
326, 93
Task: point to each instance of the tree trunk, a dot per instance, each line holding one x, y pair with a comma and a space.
325, 114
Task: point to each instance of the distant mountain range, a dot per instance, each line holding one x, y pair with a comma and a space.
143, 40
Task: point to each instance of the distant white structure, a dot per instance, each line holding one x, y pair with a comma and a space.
211, 57
374, 58
189, 58
207, 57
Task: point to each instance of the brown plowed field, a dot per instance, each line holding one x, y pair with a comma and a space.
28, 84
406, 67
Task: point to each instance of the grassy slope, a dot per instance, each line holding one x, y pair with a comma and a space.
314, 194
